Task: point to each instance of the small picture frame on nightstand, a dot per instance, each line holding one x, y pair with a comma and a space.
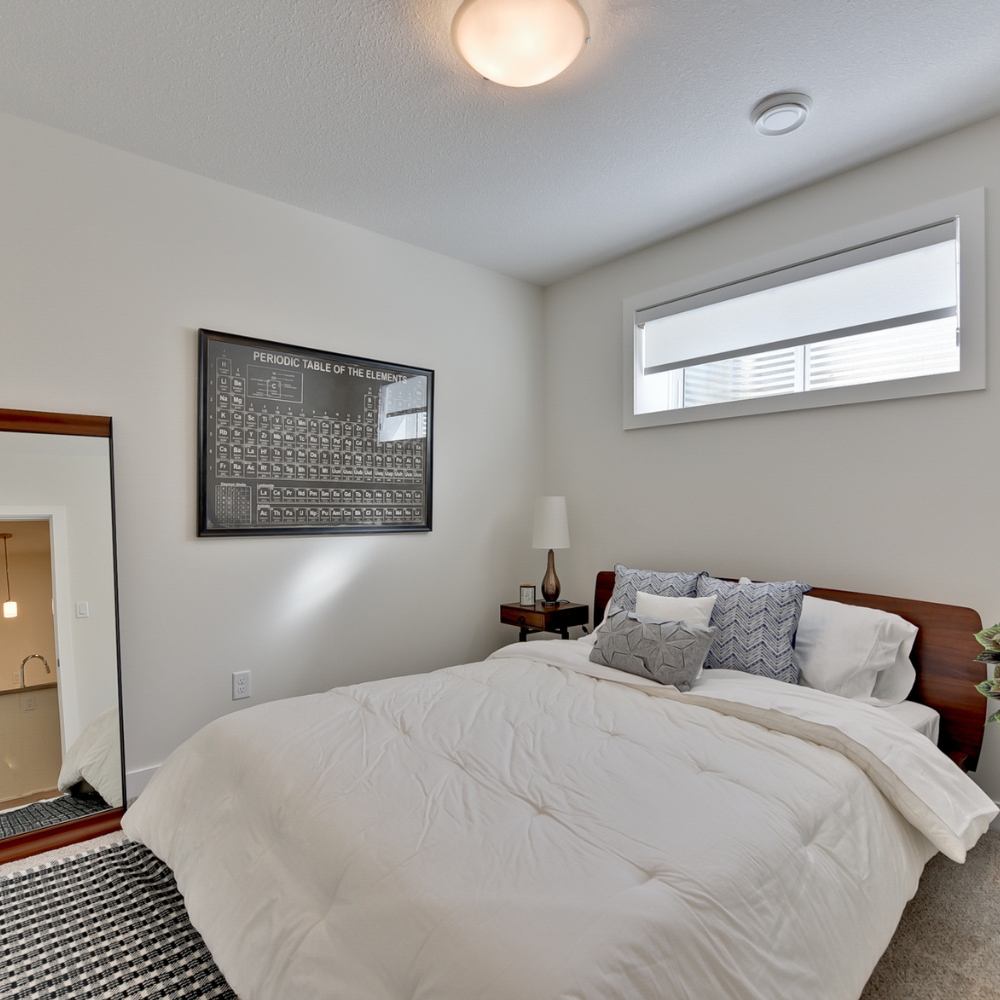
528, 594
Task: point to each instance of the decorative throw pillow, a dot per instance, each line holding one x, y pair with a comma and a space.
668, 652
628, 582
693, 610
756, 625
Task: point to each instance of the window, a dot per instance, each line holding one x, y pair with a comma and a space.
892, 309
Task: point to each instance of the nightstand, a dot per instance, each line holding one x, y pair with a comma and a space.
542, 617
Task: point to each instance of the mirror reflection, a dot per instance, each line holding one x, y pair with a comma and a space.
60, 728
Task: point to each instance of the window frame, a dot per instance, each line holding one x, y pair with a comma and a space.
969, 209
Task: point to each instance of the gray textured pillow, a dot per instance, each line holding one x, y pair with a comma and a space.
629, 581
668, 652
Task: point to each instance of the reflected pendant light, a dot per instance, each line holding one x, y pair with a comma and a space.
9, 606
519, 43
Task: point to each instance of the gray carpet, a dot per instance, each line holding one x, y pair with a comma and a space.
947, 946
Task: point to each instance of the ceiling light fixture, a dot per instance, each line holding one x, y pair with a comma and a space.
519, 43
780, 113
9, 606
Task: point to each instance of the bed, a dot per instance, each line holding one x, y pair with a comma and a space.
540, 826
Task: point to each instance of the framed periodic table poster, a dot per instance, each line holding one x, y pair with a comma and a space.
294, 441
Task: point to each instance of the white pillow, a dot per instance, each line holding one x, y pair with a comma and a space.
894, 684
694, 610
855, 652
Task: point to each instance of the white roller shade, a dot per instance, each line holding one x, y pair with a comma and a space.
900, 288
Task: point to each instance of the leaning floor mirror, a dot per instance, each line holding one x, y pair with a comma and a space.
61, 747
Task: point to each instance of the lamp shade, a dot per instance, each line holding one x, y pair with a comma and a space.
551, 525
519, 43
10, 609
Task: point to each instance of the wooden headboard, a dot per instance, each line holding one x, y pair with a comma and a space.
943, 655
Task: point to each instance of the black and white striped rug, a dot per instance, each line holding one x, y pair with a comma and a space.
48, 812
108, 925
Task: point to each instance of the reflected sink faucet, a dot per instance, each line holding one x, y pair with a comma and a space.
34, 656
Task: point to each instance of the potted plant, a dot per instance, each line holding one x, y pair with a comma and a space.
989, 639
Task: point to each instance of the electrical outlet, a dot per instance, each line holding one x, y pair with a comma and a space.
241, 684
29, 702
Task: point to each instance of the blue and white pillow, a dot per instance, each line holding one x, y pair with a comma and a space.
756, 625
628, 582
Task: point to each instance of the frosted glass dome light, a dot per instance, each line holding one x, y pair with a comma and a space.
519, 43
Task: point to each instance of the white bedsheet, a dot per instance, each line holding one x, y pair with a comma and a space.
510, 829
921, 718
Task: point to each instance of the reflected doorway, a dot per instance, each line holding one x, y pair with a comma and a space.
30, 732
33, 790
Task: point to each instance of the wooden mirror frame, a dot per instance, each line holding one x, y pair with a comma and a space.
49, 838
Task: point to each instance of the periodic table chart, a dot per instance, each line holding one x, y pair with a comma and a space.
297, 441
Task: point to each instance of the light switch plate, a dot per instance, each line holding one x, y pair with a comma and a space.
82, 609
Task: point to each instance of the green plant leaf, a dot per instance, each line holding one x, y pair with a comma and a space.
989, 638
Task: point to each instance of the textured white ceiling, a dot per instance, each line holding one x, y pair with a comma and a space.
361, 110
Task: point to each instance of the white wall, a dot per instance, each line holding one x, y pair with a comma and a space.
897, 497
109, 263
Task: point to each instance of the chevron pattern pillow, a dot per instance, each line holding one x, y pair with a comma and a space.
756, 625
668, 652
628, 582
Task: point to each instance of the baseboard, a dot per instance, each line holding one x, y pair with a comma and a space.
136, 781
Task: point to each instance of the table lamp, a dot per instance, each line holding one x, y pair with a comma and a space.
551, 532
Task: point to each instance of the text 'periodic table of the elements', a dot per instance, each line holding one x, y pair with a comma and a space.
300, 441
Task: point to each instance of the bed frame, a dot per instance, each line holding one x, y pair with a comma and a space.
944, 657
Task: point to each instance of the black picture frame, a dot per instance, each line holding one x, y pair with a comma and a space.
264, 405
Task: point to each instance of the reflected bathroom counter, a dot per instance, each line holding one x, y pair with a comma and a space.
27, 687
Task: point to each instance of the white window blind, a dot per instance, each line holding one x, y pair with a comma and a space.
902, 352
884, 310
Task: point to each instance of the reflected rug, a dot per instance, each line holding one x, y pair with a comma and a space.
48, 812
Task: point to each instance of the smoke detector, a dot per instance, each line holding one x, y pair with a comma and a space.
780, 113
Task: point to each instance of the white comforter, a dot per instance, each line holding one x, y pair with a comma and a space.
514, 829
96, 757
